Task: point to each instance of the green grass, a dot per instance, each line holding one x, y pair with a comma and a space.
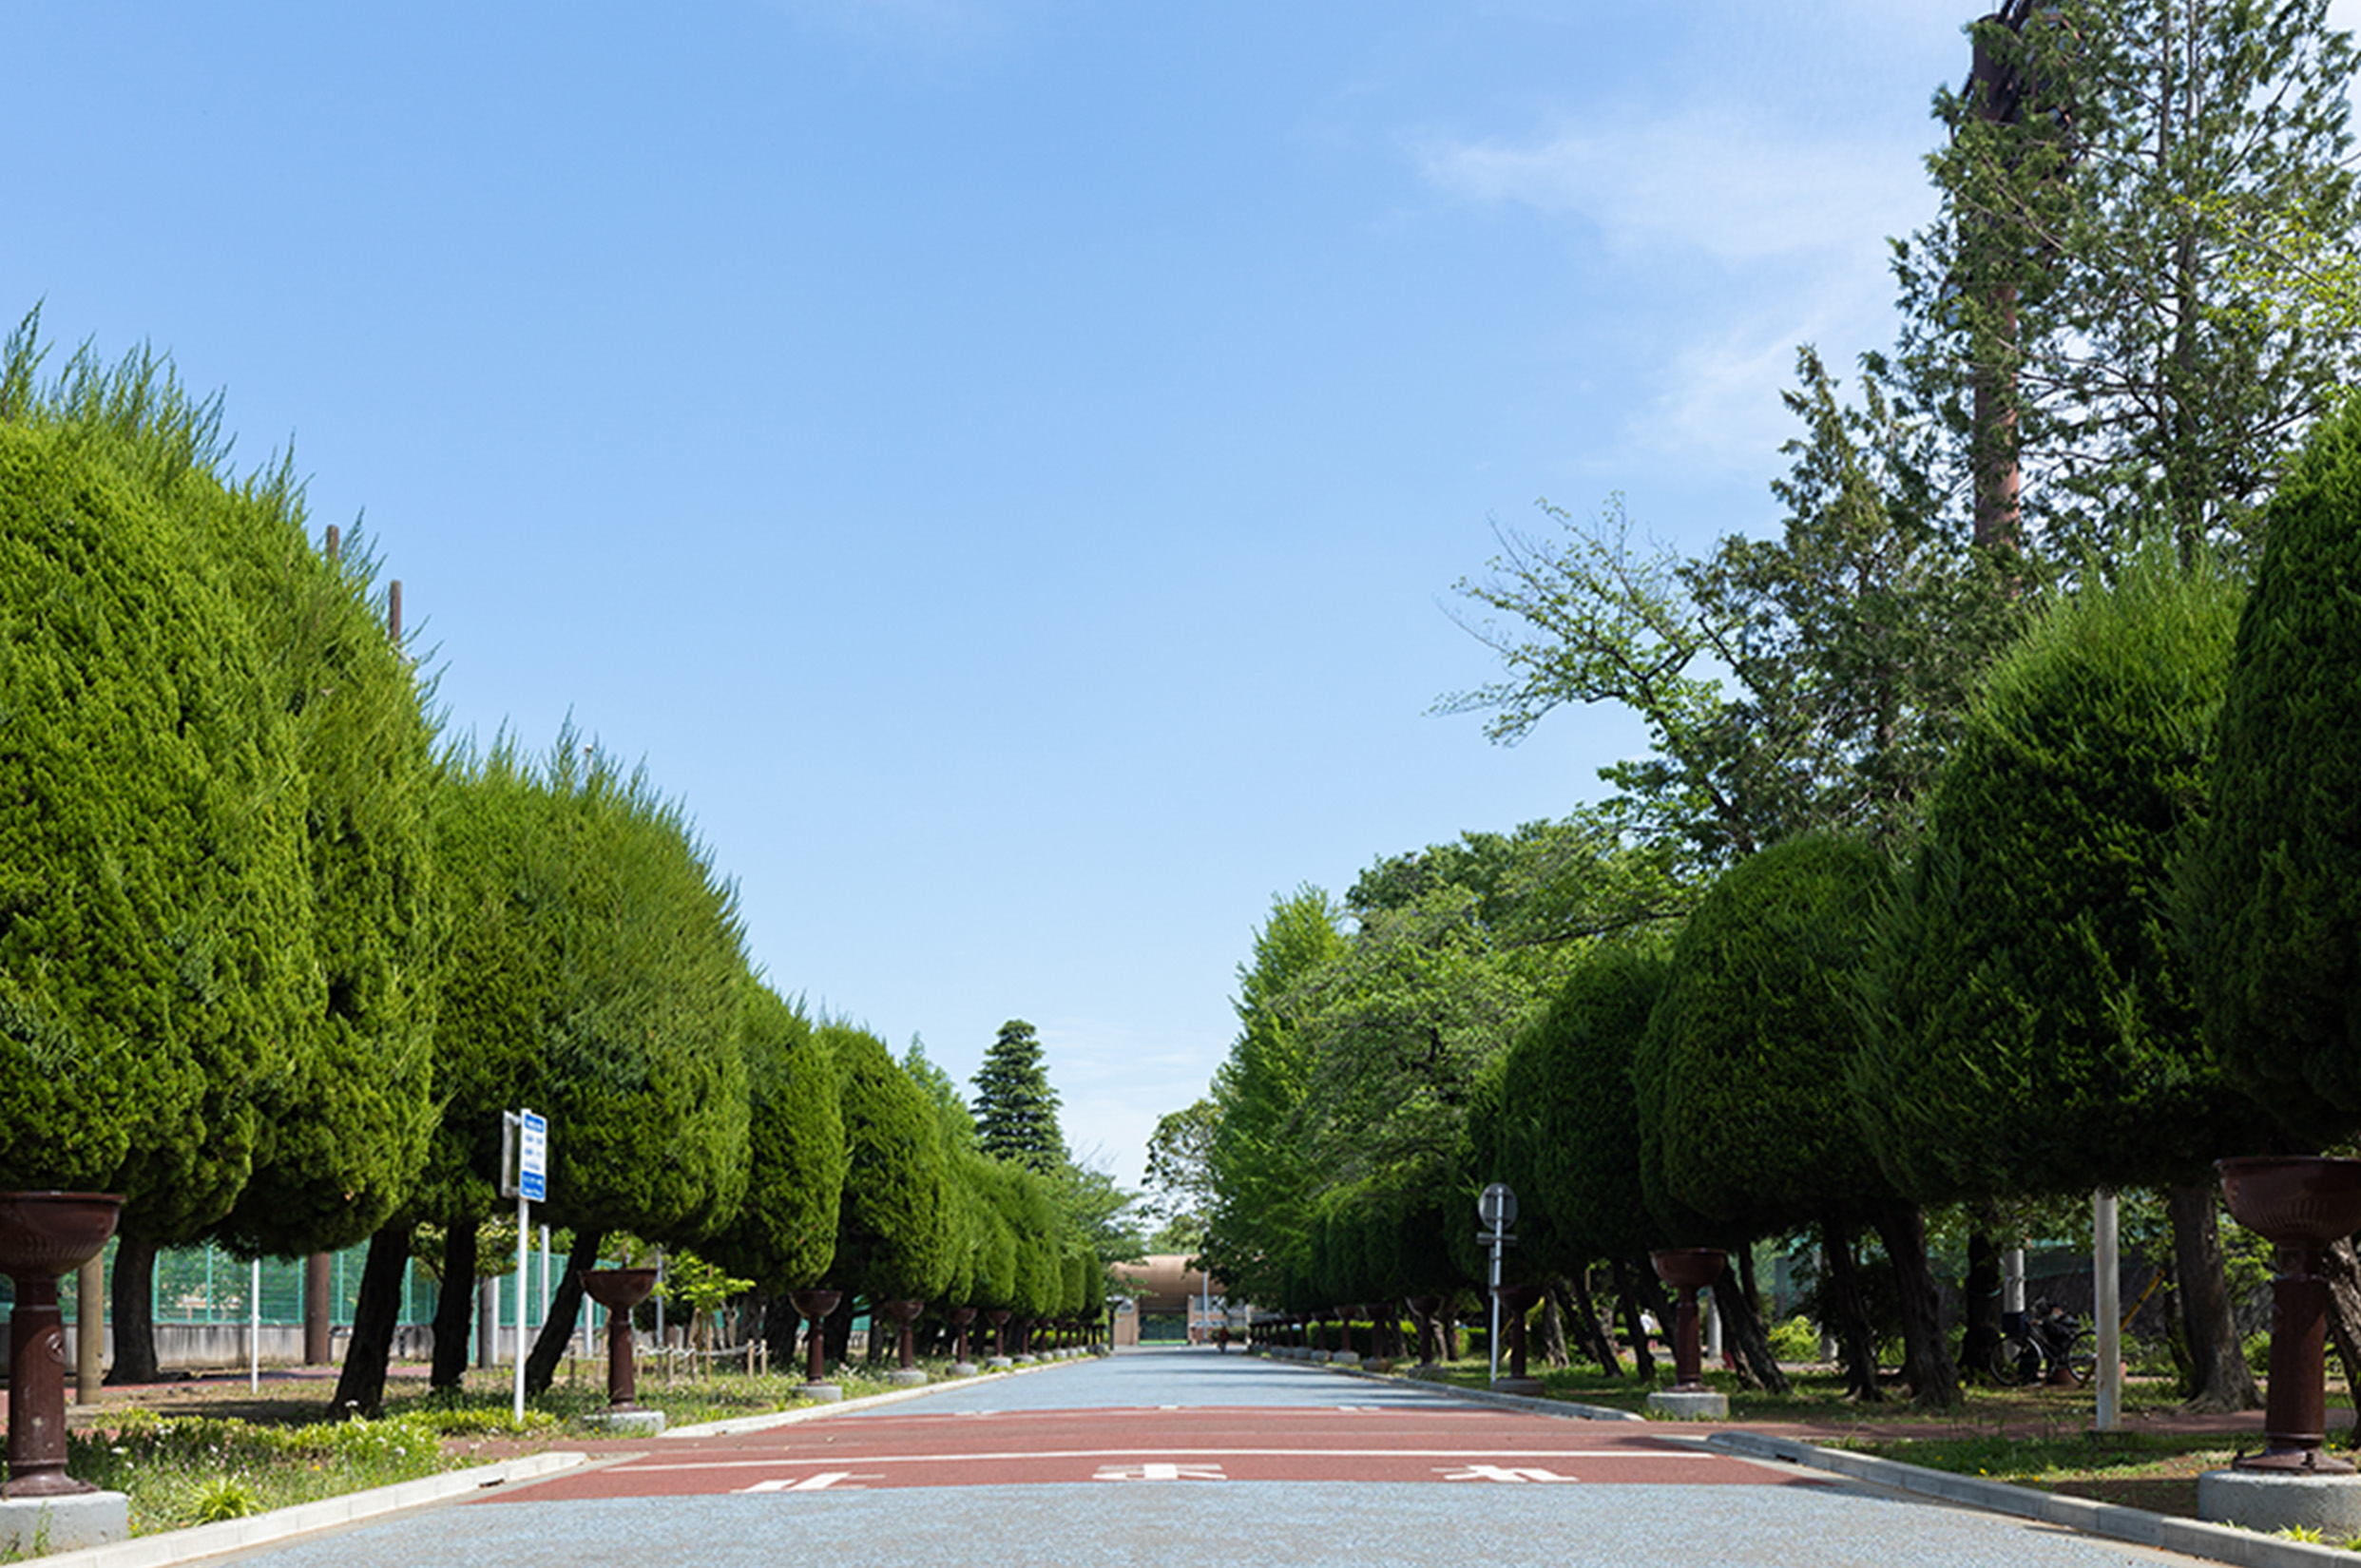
2053, 1460
184, 1470
1816, 1397
181, 1469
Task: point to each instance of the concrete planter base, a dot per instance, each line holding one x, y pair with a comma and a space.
629, 1423
1666, 1404
31, 1525
2260, 1499
826, 1393
906, 1377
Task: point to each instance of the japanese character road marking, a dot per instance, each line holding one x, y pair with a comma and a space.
1160, 1472
1503, 1472
819, 1483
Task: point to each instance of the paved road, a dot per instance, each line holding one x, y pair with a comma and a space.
1161, 1455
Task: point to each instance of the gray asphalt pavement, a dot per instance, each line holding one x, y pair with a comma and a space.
1781, 1523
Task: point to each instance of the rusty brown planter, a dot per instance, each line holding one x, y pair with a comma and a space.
1688, 1270
960, 1318
42, 1235
998, 1318
904, 1313
619, 1290
815, 1305
2299, 1204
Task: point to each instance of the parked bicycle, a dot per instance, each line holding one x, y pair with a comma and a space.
2047, 1345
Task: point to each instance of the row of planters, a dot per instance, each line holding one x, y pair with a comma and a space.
2118, 953
275, 957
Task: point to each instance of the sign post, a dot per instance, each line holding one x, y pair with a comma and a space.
524, 1176
1496, 1208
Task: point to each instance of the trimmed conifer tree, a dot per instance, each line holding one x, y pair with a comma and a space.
2272, 897
2033, 1030
596, 973
154, 924
176, 879
784, 1236
894, 1239
1743, 1074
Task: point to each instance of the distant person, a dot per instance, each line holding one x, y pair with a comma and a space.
1221, 1340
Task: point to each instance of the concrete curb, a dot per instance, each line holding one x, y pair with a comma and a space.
2164, 1532
867, 1402
204, 1540
1565, 1407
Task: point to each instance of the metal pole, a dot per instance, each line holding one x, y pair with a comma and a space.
523, 1275
1499, 1218
2108, 1291
253, 1331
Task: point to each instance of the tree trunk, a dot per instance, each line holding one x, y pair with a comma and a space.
565, 1310
1743, 1333
1635, 1332
1855, 1335
2219, 1376
454, 1306
133, 1303
836, 1333
1553, 1325
1926, 1359
1984, 1299
377, 1317
1595, 1339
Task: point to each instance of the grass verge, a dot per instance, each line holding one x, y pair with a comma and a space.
207, 1451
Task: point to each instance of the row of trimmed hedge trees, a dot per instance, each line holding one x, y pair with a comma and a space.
2126, 944
273, 964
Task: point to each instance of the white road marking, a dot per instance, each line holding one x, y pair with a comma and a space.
1466, 1455
1160, 1472
1500, 1472
819, 1483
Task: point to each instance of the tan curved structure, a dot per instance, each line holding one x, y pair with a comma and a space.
1163, 1282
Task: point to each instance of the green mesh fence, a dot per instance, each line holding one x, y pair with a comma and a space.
207, 1285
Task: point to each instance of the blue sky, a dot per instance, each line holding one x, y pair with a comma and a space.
1002, 463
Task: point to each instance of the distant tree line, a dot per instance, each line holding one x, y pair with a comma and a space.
1989, 846
276, 956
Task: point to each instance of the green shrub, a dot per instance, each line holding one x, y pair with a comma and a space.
1796, 1339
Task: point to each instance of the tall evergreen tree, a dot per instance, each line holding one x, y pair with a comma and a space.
2088, 272
1016, 1112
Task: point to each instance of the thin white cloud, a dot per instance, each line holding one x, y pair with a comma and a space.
1698, 182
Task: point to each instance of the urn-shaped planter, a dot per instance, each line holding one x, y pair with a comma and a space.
1688, 1270
44, 1234
2299, 1204
998, 1318
815, 1305
619, 1290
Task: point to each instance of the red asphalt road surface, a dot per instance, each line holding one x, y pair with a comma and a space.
1200, 1444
